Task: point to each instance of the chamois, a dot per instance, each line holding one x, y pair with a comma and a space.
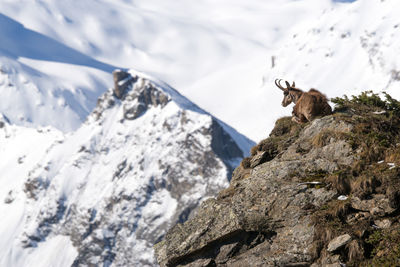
308, 105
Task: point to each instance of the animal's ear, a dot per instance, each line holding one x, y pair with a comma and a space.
287, 85
293, 84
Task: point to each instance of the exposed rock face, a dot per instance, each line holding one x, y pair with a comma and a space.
122, 80
265, 214
282, 207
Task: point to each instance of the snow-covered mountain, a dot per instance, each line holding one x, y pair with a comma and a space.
102, 195
56, 56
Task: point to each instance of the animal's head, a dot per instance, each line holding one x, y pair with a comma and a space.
288, 96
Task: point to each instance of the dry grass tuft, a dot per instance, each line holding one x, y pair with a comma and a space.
282, 136
327, 136
355, 251
340, 182
364, 186
285, 126
246, 163
341, 210
322, 236
393, 155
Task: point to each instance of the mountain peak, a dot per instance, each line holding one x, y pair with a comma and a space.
109, 190
137, 93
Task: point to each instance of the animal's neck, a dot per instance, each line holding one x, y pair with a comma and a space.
296, 95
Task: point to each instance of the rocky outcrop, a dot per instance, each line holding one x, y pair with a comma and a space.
282, 206
270, 205
122, 80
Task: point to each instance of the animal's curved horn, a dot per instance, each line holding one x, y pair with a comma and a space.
278, 84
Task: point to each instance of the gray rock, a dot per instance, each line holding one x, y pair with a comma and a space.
121, 82
258, 159
332, 260
10, 197
383, 224
142, 98
339, 242
355, 217
379, 205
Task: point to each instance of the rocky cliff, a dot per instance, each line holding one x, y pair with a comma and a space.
321, 194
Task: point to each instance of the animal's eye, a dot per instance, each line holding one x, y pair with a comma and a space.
285, 93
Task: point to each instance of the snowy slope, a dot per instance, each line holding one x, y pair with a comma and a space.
347, 49
43, 81
214, 52
217, 53
102, 195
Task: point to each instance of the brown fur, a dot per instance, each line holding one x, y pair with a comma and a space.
308, 105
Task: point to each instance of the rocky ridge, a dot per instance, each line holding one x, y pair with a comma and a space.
321, 194
143, 161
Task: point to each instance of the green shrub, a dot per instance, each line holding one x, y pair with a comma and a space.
368, 100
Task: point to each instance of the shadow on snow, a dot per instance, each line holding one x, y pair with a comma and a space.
18, 41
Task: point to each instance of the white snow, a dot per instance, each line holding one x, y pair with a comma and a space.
391, 165
216, 53
57, 251
20, 151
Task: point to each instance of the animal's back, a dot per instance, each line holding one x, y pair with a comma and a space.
321, 106
318, 94
316, 103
